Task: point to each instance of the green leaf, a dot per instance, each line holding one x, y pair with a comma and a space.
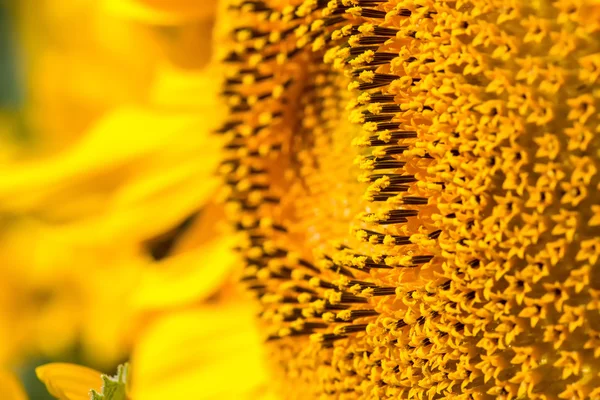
113, 387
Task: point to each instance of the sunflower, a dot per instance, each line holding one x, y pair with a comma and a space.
416, 186
418, 182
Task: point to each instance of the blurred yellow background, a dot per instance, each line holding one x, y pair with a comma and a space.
106, 157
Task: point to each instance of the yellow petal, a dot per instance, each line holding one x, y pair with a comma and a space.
187, 277
122, 137
10, 387
69, 381
163, 12
222, 357
203, 229
140, 222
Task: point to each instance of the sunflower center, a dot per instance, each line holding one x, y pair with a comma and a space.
462, 210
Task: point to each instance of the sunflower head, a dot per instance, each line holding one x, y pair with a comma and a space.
415, 182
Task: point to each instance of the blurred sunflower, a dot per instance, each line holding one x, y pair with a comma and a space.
106, 210
457, 142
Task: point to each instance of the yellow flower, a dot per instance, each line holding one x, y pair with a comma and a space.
414, 264
414, 181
